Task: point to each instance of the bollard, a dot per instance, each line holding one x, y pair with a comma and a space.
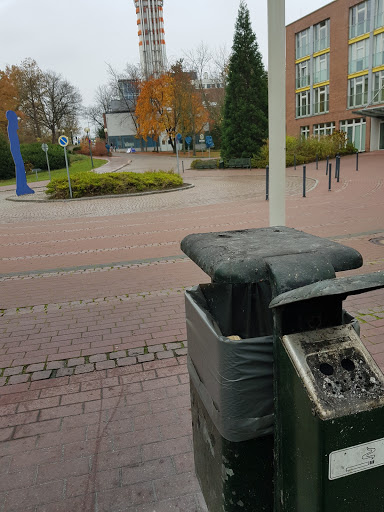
330, 177
304, 180
317, 161
326, 168
294, 162
267, 183
338, 171
357, 160
336, 165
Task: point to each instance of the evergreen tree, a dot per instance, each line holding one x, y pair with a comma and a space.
245, 120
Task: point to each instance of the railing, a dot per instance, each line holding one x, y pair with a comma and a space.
321, 107
358, 100
358, 65
303, 81
320, 44
358, 29
379, 20
320, 76
378, 59
302, 51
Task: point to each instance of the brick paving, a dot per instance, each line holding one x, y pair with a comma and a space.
94, 404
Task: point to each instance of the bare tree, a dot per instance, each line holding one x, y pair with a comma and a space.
59, 103
104, 96
30, 83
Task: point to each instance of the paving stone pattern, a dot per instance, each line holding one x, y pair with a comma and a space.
94, 392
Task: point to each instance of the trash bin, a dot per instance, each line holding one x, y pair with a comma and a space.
221, 164
230, 352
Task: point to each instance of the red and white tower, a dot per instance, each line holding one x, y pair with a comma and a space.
150, 23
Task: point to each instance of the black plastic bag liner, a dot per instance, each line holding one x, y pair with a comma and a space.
234, 379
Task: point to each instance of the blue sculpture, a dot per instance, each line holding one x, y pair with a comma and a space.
21, 179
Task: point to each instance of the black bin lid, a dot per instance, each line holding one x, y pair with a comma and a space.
240, 256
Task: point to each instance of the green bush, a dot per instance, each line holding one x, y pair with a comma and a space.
76, 149
34, 156
305, 150
196, 164
7, 165
91, 184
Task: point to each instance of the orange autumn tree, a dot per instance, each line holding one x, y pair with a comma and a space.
9, 96
155, 110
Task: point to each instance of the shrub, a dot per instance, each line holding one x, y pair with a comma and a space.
7, 165
34, 156
91, 184
98, 148
305, 150
76, 149
196, 164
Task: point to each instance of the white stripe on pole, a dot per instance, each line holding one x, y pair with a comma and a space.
276, 107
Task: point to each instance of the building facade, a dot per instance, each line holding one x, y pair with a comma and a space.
150, 24
335, 73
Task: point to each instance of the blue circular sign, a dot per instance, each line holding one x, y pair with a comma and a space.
178, 136
63, 141
188, 140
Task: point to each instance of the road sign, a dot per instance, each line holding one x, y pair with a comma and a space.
179, 137
188, 140
44, 147
63, 141
202, 137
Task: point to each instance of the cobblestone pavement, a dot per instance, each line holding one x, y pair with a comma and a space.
94, 403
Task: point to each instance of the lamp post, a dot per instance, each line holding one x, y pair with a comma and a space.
89, 142
106, 135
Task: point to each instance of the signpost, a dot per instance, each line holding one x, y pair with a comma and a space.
44, 147
63, 141
178, 139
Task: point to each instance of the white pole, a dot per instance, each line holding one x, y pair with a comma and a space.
276, 108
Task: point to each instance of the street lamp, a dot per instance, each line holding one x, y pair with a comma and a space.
106, 135
89, 142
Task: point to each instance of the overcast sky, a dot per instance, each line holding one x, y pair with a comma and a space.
77, 38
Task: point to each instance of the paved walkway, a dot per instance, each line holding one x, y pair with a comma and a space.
94, 405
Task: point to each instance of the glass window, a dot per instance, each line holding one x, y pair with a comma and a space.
303, 103
358, 56
322, 129
304, 132
321, 36
358, 91
379, 16
355, 130
302, 44
378, 87
359, 19
321, 99
378, 52
321, 68
302, 74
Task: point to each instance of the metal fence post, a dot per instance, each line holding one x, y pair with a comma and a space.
330, 177
326, 168
267, 183
304, 181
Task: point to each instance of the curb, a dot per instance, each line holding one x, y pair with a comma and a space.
16, 199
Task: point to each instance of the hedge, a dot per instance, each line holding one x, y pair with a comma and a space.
34, 157
305, 150
7, 165
91, 184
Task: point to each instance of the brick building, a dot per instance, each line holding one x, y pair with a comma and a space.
335, 72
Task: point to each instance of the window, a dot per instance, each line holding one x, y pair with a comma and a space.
323, 129
355, 130
359, 19
378, 52
302, 44
302, 74
321, 99
379, 16
303, 103
321, 36
358, 91
304, 132
358, 56
321, 68
378, 87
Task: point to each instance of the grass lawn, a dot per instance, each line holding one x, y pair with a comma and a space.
79, 164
